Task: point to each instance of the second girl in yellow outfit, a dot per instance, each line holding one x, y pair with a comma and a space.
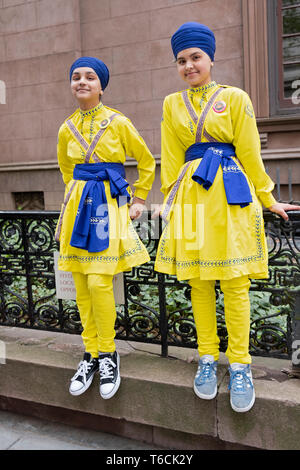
214, 184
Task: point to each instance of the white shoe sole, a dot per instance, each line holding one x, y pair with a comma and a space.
83, 389
247, 408
114, 390
203, 396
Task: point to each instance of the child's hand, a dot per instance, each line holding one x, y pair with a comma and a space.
280, 208
156, 212
136, 208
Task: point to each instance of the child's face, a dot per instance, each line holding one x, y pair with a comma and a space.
86, 86
194, 66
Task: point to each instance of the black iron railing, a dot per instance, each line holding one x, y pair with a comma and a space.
157, 307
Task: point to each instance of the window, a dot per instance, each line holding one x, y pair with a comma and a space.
29, 201
289, 24
284, 56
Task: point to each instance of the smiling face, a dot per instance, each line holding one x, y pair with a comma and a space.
86, 87
194, 66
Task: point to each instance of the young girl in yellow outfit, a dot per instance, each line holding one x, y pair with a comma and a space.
96, 235
214, 184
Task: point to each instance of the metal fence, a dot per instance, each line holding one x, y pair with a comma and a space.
289, 188
157, 307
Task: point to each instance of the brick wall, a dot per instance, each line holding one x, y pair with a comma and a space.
133, 37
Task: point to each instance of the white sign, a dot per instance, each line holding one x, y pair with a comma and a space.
65, 288
2, 352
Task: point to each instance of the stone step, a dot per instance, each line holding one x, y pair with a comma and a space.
155, 402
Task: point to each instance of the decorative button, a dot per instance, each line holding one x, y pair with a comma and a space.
219, 106
104, 123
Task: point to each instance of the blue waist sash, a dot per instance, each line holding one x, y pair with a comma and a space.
91, 226
213, 155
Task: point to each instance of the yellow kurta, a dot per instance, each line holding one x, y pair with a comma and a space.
119, 139
206, 237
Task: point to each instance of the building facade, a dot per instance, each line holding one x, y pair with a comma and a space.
258, 49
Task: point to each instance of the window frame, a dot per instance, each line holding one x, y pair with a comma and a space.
279, 105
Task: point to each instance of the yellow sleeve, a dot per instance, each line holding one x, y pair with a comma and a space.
172, 151
65, 166
247, 145
135, 147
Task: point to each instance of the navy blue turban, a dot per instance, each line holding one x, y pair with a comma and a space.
193, 34
96, 64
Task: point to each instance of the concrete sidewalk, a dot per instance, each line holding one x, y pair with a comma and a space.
18, 432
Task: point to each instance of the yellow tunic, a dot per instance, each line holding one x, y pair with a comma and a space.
205, 236
119, 139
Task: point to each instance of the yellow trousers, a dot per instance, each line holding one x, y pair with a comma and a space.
96, 305
237, 317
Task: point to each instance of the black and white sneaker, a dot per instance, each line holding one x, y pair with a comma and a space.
109, 364
84, 375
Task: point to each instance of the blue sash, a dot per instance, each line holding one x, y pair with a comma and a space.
91, 227
213, 155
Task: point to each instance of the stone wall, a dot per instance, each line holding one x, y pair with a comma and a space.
39, 40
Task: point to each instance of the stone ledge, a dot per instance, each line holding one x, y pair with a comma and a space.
156, 402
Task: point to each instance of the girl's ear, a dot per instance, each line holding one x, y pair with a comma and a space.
101, 92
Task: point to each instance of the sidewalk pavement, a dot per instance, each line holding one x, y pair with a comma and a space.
18, 432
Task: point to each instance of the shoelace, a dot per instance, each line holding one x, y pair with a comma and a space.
204, 371
106, 366
83, 369
238, 380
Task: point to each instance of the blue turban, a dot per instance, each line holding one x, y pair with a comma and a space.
96, 64
193, 34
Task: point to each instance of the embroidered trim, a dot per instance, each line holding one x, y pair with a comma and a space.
195, 92
108, 259
82, 153
174, 190
204, 114
77, 134
91, 111
204, 88
59, 225
191, 127
259, 256
92, 131
208, 136
189, 107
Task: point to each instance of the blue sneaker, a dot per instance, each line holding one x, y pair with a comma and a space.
242, 395
205, 383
